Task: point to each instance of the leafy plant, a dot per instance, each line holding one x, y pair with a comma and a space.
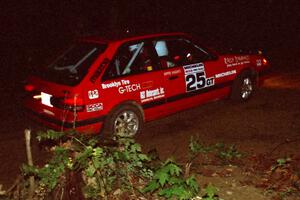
195, 146
227, 153
49, 174
170, 183
104, 169
82, 167
281, 162
286, 193
50, 135
210, 193
220, 150
196, 149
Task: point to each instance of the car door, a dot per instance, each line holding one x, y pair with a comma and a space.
134, 75
172, 72
185, 74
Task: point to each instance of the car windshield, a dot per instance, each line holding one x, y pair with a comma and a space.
72, 65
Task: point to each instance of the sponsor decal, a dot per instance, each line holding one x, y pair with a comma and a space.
93, 94
228, 73
94, 107
99, 70
194, 68
174, 72
153, 94
195, 77
129, 88
236, 60
124, 86
111, 84
258, 63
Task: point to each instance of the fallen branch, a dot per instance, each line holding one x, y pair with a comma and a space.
286, 141
16, 182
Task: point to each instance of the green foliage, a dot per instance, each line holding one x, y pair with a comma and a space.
104, 168
110, 171
49, 174
196, 147
281, 163
220, 150
169, 182
284, 194
50, 135
210, 193
227, 153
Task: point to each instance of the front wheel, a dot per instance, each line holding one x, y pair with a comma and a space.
243, 87
124, 121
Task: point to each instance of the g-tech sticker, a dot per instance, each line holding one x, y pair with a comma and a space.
153, 94
94, 107
93, 94
123, 86
195, 77
129, 88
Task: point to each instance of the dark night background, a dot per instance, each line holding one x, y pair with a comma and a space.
32, 30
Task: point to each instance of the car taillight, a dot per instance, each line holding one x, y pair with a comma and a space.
264, 61
29, 88
74, 103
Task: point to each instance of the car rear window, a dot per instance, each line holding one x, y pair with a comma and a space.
72, 65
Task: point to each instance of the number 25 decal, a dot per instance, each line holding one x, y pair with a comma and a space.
197, 81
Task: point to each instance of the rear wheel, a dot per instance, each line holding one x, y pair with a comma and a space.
243, 87
124, 121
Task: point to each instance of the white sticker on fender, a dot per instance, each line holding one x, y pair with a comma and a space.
236, 60
195, 78
228, 73
94, 107
152, 94
258, 63
93, 94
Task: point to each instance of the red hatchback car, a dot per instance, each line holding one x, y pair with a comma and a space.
114, 86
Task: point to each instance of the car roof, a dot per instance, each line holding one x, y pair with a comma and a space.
128, 37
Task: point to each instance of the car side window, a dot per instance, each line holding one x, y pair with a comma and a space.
178, 52
131, 59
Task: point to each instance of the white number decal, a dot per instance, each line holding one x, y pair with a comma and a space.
195, 77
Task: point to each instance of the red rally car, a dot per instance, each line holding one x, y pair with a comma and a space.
114, 86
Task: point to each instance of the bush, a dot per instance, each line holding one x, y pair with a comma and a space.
82, 167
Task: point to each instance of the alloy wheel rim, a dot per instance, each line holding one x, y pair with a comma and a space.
247, 88
126, 124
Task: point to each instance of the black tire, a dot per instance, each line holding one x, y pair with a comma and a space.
243, 87
124, 121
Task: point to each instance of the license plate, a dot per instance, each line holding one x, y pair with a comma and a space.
46, 99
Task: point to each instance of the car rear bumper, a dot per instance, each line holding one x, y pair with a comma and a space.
88, 126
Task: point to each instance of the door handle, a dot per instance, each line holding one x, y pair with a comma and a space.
173, 77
